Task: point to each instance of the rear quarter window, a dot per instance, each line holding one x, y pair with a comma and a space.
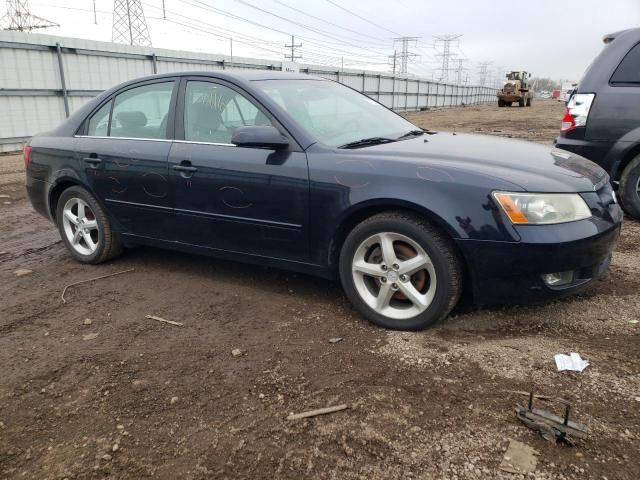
628, 72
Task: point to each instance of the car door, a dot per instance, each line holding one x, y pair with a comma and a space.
247, 200
124, 152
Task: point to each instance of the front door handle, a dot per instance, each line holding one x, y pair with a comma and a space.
185, 168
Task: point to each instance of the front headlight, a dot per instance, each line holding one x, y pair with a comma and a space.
542, 208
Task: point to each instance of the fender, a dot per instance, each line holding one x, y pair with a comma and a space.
620, 150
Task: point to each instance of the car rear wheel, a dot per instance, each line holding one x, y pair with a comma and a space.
630, 188
400, 272
85, 227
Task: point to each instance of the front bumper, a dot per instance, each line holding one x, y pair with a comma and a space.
511, 272
509, 97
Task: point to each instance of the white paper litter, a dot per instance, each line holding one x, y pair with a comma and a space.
572, 362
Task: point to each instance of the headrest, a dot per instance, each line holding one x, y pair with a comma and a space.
132, 119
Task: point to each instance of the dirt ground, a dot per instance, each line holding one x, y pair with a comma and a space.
125, 397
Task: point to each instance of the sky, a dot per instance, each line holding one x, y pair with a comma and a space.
549, 38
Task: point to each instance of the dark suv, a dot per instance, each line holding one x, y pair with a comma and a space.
602, 119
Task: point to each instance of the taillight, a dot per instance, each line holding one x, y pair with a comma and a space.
27, 155
568, 123
577, 111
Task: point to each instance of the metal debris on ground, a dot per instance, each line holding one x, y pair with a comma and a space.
236, 352
22, 271
90, 336
92, 280
160, 319
335, 339
551, 427
572, 362
519, 458
319, 411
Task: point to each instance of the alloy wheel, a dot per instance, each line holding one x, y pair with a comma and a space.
80, 226
394, 275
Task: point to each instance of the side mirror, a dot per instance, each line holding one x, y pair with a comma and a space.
259, 136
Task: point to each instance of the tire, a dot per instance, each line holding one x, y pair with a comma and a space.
96, 241
437, 286
628, 189
507, 104
529, 100
521, 102
500, 103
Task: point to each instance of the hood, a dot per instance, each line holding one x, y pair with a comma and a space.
531, 166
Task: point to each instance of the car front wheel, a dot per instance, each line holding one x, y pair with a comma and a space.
400, 272
85, 227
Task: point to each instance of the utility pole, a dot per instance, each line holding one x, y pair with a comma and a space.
95, 14
292, 57
20, 18
164, 12
129, 23
446, 41
393, 60
405, 54
231, 47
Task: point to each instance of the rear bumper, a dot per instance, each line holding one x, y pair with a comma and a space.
38, 192
511, 273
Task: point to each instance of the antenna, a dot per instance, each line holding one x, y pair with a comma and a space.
20, 18
129, 23
292, 57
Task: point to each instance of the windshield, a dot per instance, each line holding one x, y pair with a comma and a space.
334, 114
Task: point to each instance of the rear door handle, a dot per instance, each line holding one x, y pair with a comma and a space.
93, 160
185, 168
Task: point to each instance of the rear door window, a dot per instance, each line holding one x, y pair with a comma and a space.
628, 72
142, 112
99, 122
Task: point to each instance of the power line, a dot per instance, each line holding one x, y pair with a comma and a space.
361, 17
318, 42
306, 27
20, 18
129, 23
326, 21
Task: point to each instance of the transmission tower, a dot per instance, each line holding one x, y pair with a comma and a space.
129, 23
445, 53
405, 55
20, 18
292, 56
483, 70
459, 70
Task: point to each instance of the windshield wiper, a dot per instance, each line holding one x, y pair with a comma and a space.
364, 142
412, 133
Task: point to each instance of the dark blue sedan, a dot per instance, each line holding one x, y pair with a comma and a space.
308, 175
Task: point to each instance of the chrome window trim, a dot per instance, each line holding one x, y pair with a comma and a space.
207, 143
157, 140
125, 138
